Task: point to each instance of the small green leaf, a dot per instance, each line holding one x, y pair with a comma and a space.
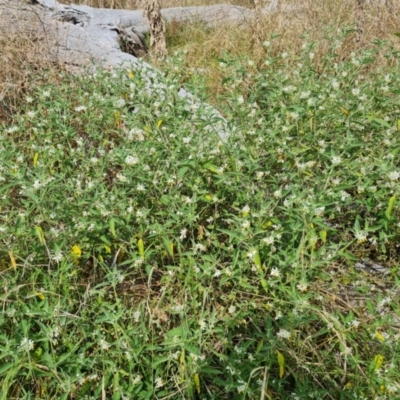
182, 171
281, 363
196, 379
112, 227
40, 234
390, 206
141, 248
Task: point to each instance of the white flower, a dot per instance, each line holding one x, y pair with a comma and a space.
94, 160
136, 134
305, 95
394, 175
285, 55
232, 309
104, 345
355, 91
269, 240
275, 272
246, 225
335, 84
186, 140
344, 195
37, 184
29, 99
251, 253
136, 316
131, 160
199, 247
183, 234
302, 287
242, 387
120, 103
336, 160
319, 211
277, 193
217, 273
188, 200
121, 177
361, 237
136, 379
30, 114
246, 209
311, 56
240, 100
288, 89
355, 323
58, 257
80, 108
278, 315
267, 44
283, 333
140, 188
26, 344
46, 93
158, 382
12, 129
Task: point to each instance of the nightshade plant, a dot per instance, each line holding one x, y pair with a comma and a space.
143, 257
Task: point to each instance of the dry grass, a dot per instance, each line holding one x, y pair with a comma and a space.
25, 62
300, 17
25, 59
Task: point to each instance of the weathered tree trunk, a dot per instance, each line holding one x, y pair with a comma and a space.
78, 35
152, 11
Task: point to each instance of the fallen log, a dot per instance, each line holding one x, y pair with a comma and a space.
78, 35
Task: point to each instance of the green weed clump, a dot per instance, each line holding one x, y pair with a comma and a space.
144, 257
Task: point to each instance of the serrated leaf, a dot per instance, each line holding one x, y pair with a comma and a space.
141, 248
111, 224
196, 379
4, 367
182, 171
382, 122
378, 361
12, 259
390, 206
40, 234
169, 246
257, 261
281, 363
182, 360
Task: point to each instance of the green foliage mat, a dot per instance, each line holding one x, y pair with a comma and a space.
142, 257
